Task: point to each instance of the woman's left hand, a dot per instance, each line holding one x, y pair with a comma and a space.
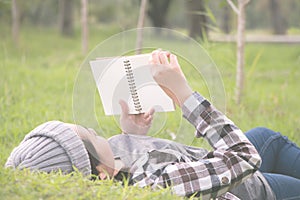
138, 124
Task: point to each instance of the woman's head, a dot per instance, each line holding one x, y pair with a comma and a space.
55, 145
100, 153
51, 146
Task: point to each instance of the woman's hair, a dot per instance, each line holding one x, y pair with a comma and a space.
94, 163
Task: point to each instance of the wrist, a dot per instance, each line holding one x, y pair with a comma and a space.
135, 131
131, 133
185, 93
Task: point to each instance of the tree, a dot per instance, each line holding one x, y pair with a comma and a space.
66, 17
157, 12
15, 21
140, 25
240, 11
226, 19
278, 23
196, 13
84, 25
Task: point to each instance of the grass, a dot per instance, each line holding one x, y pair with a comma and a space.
37, 81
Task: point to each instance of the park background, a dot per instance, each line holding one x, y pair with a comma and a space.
42, 49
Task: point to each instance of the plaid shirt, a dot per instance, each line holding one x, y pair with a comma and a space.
233, 159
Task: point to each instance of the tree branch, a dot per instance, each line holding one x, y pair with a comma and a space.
234, 8
246, 2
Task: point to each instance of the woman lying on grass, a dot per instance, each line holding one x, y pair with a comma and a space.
232, 170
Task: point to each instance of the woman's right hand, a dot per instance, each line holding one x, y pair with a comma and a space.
167, 73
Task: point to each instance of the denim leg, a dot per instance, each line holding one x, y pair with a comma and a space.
279, 155
284, 187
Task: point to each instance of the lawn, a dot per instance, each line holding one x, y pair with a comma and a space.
37, 84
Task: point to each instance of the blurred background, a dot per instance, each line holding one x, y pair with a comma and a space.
194, 17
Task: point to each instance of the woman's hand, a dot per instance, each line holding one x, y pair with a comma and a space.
138, 124
167, 73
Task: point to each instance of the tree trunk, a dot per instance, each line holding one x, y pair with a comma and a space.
140, 25
226, 19
66, 17
278, 22
157, 12
240, 50
15, 22
84, 25
196, 13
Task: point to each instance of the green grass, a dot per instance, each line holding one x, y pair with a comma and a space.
37, 81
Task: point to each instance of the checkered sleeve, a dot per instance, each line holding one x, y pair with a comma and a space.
232, 160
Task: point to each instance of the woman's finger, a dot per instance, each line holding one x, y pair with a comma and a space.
148, 120
151, 111
155, 57
174, 63
124, 107
163, 58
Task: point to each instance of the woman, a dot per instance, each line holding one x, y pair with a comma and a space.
229, 171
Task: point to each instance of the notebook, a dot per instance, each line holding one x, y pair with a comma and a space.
129, 78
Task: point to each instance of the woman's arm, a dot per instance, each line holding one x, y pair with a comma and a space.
233, 159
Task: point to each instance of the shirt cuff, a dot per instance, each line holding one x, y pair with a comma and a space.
191, 104
192, 109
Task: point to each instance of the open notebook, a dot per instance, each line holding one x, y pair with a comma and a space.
128, 78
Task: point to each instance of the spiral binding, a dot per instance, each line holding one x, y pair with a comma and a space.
132, 86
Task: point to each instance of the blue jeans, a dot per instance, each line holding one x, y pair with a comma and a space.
280, 162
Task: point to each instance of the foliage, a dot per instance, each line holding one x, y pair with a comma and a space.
5, 6
124, 13
37, 83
